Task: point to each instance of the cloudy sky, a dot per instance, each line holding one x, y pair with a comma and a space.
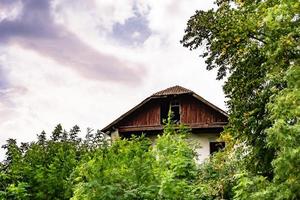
87, 62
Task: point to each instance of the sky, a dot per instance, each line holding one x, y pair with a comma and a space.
85, 63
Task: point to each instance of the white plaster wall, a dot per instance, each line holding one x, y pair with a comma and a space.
200, 142
115, 135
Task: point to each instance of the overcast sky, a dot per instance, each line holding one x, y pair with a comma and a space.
87, 62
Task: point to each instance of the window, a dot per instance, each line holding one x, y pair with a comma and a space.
164, 109
216, 146
175, 109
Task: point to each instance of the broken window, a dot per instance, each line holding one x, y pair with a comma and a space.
175, 109
216, 146
164, 109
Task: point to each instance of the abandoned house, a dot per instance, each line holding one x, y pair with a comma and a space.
205, 120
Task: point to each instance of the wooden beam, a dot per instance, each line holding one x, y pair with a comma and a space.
140, 128
160, 127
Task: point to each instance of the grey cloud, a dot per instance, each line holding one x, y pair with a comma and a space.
137, 24
7, 2
88, 62
36, 30
34, 21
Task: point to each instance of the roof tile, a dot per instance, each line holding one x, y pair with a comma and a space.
173, 91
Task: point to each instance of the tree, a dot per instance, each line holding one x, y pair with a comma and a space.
175, 166
43, 169
74, 133
57, 133
134, 169
42, 138
122, 170
11, 174
255, 42
256, 45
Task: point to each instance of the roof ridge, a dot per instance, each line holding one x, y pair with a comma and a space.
177, 89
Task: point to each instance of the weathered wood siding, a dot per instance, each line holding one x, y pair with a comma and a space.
148, 115
195, 112
192, 112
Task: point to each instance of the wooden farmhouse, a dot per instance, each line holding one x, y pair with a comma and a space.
205, 120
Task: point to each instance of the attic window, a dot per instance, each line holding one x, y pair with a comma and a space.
174, 106
216, 146
164, 109
175, 109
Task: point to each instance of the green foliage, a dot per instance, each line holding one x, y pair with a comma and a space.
135, 169
122, 170
175, 167
66, 167
216, 176
42, 169
247, 187
284, 136
255, 43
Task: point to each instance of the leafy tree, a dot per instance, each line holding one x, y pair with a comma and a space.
57, 133
74, 133
42, 138
175, 166
254, 42
121, 171
256, 45
134, 169
43, 169
11, 173
284, 136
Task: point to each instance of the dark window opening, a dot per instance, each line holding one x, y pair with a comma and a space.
175, 109
216, 146
164, 109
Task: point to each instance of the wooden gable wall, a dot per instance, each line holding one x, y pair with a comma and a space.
194, 111
147, 115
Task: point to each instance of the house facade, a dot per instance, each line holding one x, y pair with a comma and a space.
205, 120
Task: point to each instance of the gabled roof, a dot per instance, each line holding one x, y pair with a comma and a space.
175, 90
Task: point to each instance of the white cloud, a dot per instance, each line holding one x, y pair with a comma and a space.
10, 11
136, 34
168, 18
92, 19
43, 93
